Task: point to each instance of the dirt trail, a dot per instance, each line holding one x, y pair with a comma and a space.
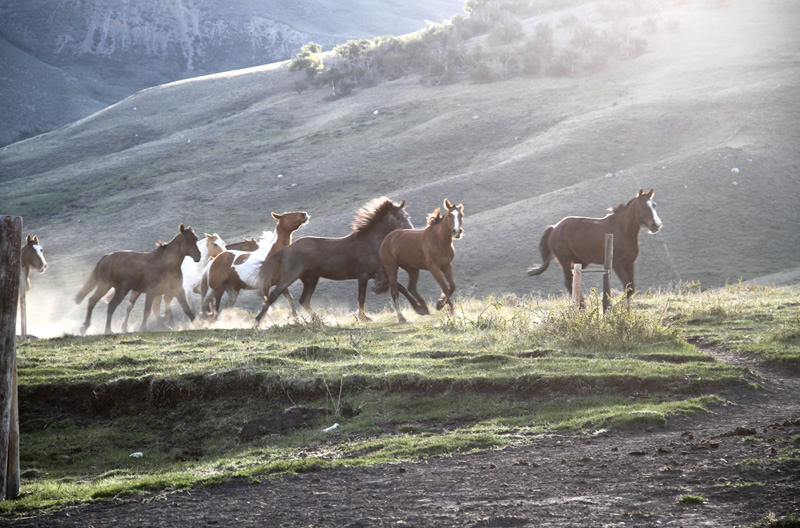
742, 458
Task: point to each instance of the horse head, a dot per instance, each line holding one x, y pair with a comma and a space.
645, 209
455, 218
188, 243
214, 244
290, 222
32, 255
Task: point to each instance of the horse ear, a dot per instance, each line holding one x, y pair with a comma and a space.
28, 240
447, 204
641, 192
35, 239
276, 216
650, 194
181, 228
403, 204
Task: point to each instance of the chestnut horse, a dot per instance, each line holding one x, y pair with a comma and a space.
427, 249
155, 273
248, 244
354, 256
579, 240
234, 271
32, 257
210, 247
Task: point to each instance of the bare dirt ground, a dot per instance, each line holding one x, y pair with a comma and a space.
742, 460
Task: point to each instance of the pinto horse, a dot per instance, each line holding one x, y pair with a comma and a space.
155, 273
579, 240
32, 257
427, 249
234, 271
354, 256
210, 247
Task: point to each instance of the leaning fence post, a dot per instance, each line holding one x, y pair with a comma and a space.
576, 285
607, 263
10, 248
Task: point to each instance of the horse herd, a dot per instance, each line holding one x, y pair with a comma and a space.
383, 240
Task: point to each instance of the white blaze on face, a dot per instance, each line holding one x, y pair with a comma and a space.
456, 222
656, 219
40, 252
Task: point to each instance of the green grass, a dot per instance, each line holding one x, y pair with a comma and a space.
499, 372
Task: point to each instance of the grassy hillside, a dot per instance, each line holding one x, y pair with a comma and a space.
707, 116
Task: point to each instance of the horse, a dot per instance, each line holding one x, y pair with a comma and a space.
354, 256
427, 249
155, 273
248, 244
32, 258
579, 240
210, 247
233, 271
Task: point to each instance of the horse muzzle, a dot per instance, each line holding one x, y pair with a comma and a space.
457, 233
655, 228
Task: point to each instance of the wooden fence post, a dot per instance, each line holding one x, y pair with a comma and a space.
607, 263
576, 285
10, 248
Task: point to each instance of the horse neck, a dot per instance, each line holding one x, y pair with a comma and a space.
284, 238
442, 232
627, 224
171, 253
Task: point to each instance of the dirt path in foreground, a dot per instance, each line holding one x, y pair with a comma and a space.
743, 459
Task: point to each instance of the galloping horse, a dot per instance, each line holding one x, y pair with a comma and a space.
233, 271
155, 273
427, 249
32, 257
580, 240
210, 247
354, 256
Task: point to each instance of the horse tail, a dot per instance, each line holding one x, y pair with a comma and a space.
544, 249
88, 286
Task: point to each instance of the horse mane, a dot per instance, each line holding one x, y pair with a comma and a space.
371, 214
435, 217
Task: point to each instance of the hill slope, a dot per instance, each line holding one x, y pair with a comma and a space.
105, 50
708, 117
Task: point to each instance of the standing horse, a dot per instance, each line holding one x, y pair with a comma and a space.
427, 249
32, 257
579, 240
210, 247
155, 273
234, 271
354, 256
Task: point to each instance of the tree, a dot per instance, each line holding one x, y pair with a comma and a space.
308, 60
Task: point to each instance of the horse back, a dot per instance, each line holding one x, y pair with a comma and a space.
135, 270
582, 239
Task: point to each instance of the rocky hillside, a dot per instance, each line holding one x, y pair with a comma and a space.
60, 61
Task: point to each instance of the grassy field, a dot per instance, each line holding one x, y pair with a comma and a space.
205, 406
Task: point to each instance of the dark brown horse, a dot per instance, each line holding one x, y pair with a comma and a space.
354, 256
155, 273
580, 240
32, 257
427, 249
233, 271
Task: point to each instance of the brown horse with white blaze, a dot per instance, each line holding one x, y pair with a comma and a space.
426, 249
155, 273
32, 258
579, 240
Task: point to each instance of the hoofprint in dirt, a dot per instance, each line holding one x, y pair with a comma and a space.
728, 468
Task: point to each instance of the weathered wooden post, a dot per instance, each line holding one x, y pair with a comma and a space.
10, 248
607, 263
576, 285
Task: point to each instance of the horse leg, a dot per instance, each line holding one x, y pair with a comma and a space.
93, 300
290, 300
447, 271
362, 299
419, 304
148, 305
233, 294
187, 308
309, 285
438, 275
131, 302
625, 275
391, 272
119, 294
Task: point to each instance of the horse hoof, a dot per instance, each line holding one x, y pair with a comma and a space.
440, 304
83, 330
422, 310
364, 319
